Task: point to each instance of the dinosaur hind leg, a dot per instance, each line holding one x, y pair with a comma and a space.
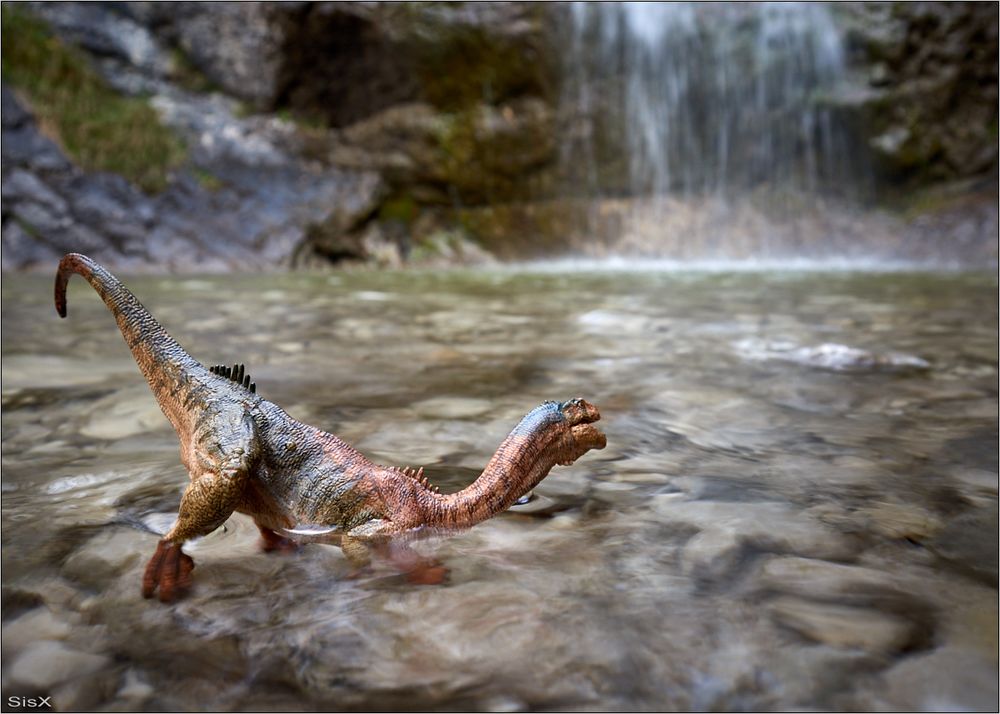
418, 569
271, 541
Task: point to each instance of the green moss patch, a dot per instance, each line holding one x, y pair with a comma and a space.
98, 128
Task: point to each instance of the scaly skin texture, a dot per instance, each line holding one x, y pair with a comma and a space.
245, 454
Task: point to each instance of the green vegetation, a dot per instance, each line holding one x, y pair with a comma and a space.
402, 209
464, 66
206, 179
186, 74
98, 128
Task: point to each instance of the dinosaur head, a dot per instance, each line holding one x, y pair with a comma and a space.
581, 435
552, 433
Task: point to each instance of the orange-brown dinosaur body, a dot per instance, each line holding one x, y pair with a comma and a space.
245, 454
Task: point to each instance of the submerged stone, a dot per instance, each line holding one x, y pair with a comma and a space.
43, 665
947, 679
107, 556
831, 356
820, 579
846, 627
729, 529
34, 626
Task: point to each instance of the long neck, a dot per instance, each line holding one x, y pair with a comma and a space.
163, 362
523, 459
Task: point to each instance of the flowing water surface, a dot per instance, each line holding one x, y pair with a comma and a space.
796, 509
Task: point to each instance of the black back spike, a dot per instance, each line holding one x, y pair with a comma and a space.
237, 373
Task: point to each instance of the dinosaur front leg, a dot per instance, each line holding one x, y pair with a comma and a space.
169, 570
208, 501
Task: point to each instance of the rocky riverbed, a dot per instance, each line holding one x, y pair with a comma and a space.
797, 507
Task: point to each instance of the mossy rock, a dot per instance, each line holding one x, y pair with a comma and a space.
520, 230
99, 129
467, 65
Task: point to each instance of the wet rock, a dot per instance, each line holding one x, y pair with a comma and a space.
22, 249
823, 580
85, 693
811, 678
35, 625
44, 665
220, 136
104, 31
969, 541
479, 155
899, 520
26, 186
831, 356
14, 115
729, 529
537, 506
106, 557
930, 102
947, 679
979, 483
133, 693
124, 414
452, 407
159, 523
845, 627
22, 144
235, 45
712, 554
56, 593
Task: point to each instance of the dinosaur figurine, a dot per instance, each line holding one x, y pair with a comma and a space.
245, 454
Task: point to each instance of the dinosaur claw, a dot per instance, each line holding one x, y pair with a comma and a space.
169, 571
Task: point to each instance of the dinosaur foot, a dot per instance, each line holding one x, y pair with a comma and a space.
169, 570
418, 569
429, 573
271, 541
423, 573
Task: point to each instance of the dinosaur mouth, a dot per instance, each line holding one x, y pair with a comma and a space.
589, 436
581, 416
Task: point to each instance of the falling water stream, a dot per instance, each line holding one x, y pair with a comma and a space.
797, 507
711, 131
707, 98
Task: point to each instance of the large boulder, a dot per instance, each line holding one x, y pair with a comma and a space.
484, 154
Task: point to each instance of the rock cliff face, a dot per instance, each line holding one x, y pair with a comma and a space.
324, 132
926, 87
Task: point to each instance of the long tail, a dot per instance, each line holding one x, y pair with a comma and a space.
163, 362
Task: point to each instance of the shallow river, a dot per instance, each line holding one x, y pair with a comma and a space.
796, 509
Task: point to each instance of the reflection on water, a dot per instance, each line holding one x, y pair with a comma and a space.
760, 532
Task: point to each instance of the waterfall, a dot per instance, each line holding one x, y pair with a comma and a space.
704, 99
